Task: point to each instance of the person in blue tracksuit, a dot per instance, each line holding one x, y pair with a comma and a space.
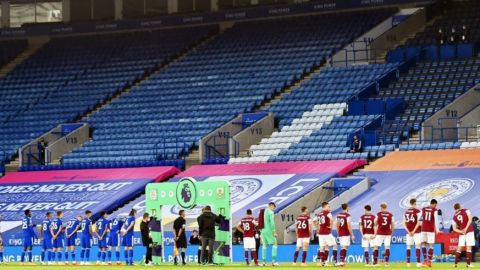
115, 227
29, 236
56, 228
46, 237
101, 232
73, 226
127, 232
87, 234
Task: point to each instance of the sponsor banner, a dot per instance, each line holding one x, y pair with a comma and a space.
210, 17
424, 160
398, 187
253, 186
355, 253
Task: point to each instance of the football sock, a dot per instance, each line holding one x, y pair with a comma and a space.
387, 255
375, 256
304, 256
367, 257
295, 256
408, 255
335, 255
469, 257
430, 254
264, 253
274, 254
417, 253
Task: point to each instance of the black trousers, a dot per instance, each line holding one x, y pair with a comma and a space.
207, 256
148, 254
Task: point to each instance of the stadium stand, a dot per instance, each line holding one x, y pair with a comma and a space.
237, 70
11, 48
310, 135
459, 19
70, 76
427, 88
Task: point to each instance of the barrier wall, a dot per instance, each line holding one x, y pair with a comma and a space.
448, 176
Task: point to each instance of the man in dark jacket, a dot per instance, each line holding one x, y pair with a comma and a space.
206, 229
146, 238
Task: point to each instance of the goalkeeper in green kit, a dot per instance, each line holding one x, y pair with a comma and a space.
268, 234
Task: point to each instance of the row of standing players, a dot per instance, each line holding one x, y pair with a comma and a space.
55, 235
376, 230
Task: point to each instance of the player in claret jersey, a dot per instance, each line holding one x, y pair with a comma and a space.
411, 222
303, 230
367, 230
247, 228
429, 230
344, 230
383, 233
325, 237
462, 224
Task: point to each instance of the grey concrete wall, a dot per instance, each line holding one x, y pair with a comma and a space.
449, 118
468, 124
254, 134
67, 143
390, 38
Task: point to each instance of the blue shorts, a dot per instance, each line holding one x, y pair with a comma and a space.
71, 240
28, 242
47, 243
102, 243
58, 243
86, 242
113, 240
127, 241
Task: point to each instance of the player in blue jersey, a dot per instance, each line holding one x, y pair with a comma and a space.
56, 228
87, 234
73, 226
127, 232
46, 237
115, 227
28, 236
101, 232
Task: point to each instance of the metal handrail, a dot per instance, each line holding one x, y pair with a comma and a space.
164, 141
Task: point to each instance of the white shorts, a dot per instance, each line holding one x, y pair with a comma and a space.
466, 240
249, 243
344, 241
428, 237
367, 241
383, 239
301, 241
326, 240
416, 239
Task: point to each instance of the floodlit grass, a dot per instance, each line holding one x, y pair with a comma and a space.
233, 266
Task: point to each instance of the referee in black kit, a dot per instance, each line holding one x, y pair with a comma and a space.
180, 236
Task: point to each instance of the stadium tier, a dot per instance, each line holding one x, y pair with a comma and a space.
70, 76
311, 121
9, 49
459, 20
166, 115
427, 88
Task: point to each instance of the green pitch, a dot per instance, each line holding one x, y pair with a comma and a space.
231, 266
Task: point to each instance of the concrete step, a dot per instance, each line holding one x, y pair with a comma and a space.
33, 45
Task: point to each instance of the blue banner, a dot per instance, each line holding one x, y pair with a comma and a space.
355, 253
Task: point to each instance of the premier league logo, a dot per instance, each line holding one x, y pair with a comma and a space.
186, 193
